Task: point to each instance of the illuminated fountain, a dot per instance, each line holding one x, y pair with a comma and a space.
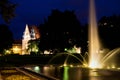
86, 69
67, 59
96, 58
94, 44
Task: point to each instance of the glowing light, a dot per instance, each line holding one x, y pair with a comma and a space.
16, 49
65, 64
37, 69
7, 51
94, 64
85, 65
71, 65
46, 52
73, 50
113, 66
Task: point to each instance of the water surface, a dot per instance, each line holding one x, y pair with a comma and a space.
76, 73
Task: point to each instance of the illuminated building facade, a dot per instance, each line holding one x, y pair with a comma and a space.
30, 33
17, 48
21, 46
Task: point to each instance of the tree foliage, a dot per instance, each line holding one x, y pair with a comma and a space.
60, 30
63, 30
33, 46
7, 10
6, 37
110, 31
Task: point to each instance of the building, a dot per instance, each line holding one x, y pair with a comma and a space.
17, 47
21, 46
30, 33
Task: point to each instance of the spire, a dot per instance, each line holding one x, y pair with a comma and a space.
26, 34
26, 38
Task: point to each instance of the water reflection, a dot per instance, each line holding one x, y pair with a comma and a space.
76, 73
93, 72
65, 73
103, 78
49, 70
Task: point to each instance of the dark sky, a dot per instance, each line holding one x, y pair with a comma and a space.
33, 12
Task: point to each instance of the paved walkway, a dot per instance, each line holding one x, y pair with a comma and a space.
17, 74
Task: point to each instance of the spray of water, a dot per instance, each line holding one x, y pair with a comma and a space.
94, 44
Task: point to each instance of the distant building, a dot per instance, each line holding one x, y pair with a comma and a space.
17, 47
30, 33
21, 46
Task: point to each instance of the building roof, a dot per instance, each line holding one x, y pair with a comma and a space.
36, 30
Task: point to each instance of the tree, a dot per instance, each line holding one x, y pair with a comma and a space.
109, 31
7, 10
6, 38
60, 30
33, 46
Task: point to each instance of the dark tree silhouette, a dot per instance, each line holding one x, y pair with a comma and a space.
7, 10
110, 31
84, 38
6, 37
60, 30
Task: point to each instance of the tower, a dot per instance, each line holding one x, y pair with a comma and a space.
26, 38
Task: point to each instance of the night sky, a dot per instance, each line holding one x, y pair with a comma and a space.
33, 12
